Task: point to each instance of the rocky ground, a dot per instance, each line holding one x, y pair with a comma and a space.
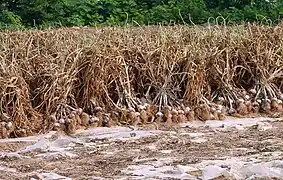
248, 148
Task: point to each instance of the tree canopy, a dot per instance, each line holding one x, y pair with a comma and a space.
45, 13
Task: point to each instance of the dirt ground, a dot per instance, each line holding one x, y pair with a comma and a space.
189, 151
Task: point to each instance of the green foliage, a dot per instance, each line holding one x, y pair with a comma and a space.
192, 10
9, 18
120, 12
80, 13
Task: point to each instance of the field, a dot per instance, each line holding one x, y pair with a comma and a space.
243, 148
204, 99
69, 78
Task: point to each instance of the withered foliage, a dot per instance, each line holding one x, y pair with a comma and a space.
58, 71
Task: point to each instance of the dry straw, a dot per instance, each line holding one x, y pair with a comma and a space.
57, 72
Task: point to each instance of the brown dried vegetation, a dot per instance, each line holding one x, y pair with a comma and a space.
51, 77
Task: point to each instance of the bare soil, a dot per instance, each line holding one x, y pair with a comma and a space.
109, 158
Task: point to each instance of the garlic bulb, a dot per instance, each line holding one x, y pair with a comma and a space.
159, 114
62, 121
187, 110
252, 91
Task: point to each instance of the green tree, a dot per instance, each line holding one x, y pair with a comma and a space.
119, 12
8, 18
31, 12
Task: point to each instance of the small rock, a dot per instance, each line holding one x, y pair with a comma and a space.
263, 126
53, 176
239, 127
199, 140
212, 171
